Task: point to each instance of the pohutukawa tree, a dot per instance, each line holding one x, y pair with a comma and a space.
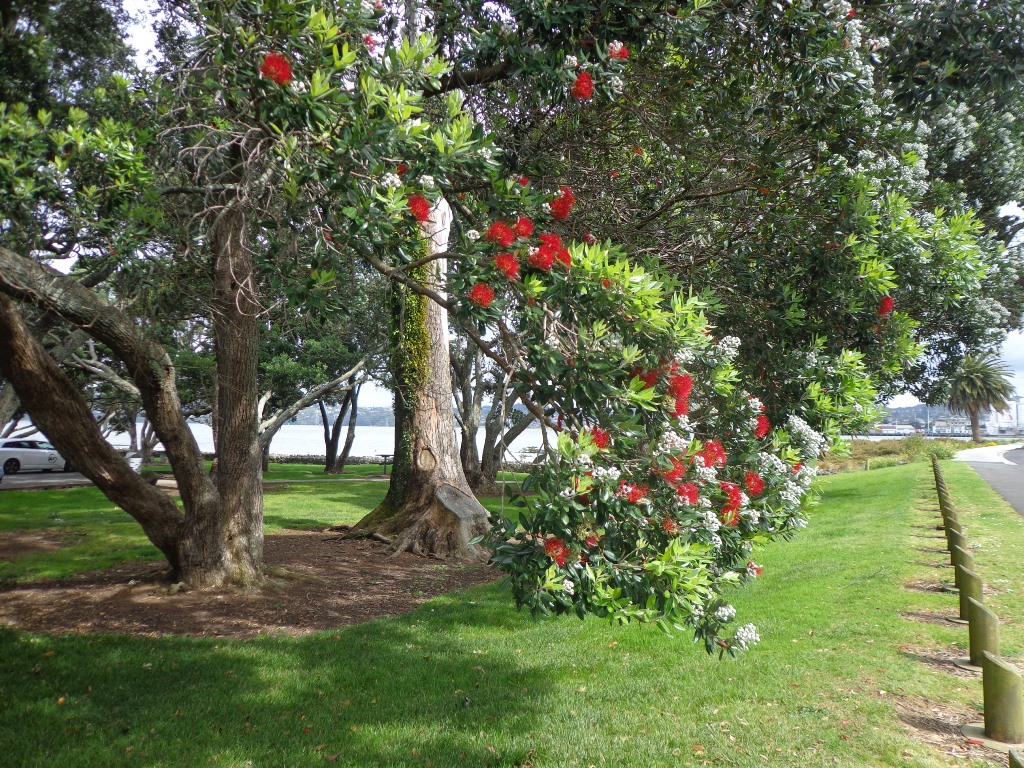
337, 124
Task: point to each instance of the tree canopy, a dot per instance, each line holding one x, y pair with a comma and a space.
699, 240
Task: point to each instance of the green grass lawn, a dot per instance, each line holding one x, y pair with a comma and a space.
468, 681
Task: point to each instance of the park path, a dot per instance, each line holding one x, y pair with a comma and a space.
1002, 467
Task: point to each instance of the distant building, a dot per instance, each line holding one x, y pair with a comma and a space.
952, 427
893, 429
1002, 422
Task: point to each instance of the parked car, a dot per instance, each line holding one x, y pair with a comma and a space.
18, 454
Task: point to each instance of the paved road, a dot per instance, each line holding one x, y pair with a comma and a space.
24, 481
1002, 467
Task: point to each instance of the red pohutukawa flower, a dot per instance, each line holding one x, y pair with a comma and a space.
564, 257
754, 569
550, 248
681, 407
524, 180
680, 385
713, 454
689, 493
589, 238
524, 227
754, 483
420, 207
634, 494
649, 378
501, 233
402, 169
886, 306
734, 498
763, 427
668, 525
481, 294
675, 474
557, 550
562, 205
541, 259
618, 51
507, 264
601, 438
583, 88
550, 241
276, 67
370, 42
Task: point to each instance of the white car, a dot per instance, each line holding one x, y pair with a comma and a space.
17, 455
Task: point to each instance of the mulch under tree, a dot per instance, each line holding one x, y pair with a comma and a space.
316, 581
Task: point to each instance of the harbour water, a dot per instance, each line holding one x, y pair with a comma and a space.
308, 440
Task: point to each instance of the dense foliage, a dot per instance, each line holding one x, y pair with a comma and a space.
779, 256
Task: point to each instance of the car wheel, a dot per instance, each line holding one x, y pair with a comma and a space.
68, 467
11, 466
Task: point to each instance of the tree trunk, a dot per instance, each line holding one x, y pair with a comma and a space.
9, 404
62, 414
497, 438
332, 431
975, 417
229, 547
133, 433
469, 394
147, 442
350, 434
429, 508
153, 373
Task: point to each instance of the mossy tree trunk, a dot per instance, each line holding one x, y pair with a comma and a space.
429, 508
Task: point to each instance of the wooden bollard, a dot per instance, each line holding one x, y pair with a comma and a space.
1004, 700
952, 524
955, 539
960, 556
970, 586
1016, 759
1003, 689
983, 629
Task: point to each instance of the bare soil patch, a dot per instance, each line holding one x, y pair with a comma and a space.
316, 581
939, 725
13, 545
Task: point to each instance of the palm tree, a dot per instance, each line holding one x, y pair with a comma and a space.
982, 382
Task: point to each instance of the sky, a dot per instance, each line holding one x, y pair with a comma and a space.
143, 40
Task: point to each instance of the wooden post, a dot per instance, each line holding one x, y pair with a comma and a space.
955, 539
983, 626
1016, 759
970, 586
1004, 700
960, 556
1003, 689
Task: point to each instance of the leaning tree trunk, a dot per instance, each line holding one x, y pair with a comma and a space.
60, 411
429, 508
338, 465
153, 373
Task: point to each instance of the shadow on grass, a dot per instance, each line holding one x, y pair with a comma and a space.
390, 693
